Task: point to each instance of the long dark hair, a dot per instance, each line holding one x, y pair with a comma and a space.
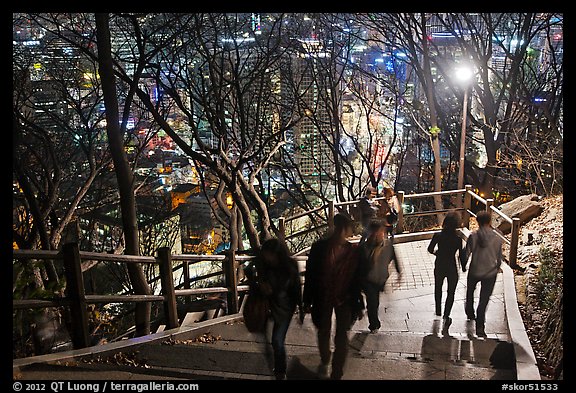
451, 222
279, 248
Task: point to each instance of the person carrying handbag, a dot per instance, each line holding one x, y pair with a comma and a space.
278, 280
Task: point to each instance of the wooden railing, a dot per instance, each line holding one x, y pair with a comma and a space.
77, 299
466, 193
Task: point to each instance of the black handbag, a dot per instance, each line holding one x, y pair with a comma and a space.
256, 311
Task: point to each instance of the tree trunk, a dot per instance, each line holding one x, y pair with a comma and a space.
123, 172
433, 118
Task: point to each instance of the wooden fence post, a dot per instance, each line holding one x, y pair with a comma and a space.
331, 211
186, 272
514, 242
400, 224
75, 291
231, 282
282, 229
489, 202
467, 206
167, 281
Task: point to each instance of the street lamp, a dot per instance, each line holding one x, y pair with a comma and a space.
464, 76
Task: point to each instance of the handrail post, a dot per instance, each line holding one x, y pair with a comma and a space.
331, 209
75, 291
489, 202
231, 282
282, 229
167, 281
400, 225
514, 242
467, 206
186, 273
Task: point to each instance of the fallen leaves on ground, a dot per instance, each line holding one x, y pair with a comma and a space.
203, 338
120, 359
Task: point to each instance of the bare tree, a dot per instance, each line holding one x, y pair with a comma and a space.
123, 171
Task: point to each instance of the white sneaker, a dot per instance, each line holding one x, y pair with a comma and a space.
324, 371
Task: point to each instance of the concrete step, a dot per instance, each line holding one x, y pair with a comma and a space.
371, 357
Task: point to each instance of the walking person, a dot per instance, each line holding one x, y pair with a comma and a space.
485, 247
376, 256
332, 286
445, 267
368, 210
279, 280
388, 210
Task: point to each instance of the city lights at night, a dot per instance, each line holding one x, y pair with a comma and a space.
155, 153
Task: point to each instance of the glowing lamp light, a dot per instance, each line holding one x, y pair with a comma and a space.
463, 74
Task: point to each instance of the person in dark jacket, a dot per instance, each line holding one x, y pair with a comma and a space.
376, 255
279, 280
332, 286
485, 247
445, 267
368, 210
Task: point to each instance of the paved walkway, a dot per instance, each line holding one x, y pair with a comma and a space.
408, 346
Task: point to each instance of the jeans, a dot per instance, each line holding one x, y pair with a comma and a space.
452, 277
279, 331
343, 324
486, 288
372, 292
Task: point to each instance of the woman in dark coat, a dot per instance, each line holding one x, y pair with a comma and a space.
279, 281
445, 266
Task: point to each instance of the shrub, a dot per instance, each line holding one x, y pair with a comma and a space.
549, 280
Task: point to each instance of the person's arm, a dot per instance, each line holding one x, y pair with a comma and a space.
432, 244
296, 289
310, 277
468, 251
499, 255
396, 261
356, 297
461, 254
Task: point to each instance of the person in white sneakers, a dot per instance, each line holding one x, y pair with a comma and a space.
485, 247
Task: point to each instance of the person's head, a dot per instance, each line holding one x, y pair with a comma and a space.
377, 232
370, 192
388, 192
343, 225
451, 222
274, 251
484, 218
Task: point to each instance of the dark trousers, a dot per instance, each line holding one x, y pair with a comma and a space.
452, 278
372, 293
486, 288
279, 331
343, 324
